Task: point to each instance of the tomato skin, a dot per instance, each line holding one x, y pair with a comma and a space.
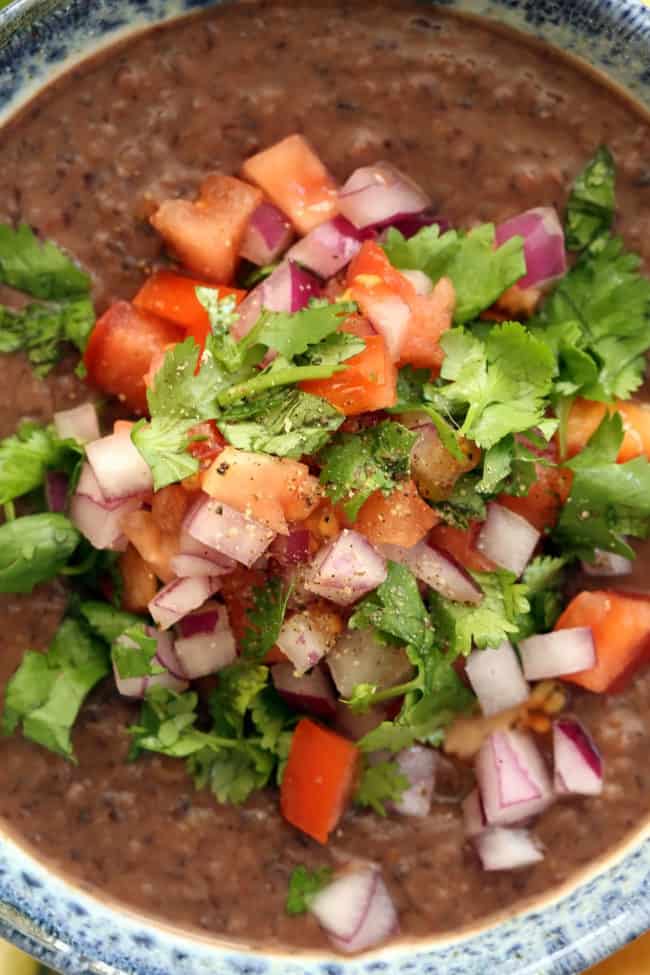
461, 546
401, 518
173, 296
121, 348
542, 504
211, 444
369, 380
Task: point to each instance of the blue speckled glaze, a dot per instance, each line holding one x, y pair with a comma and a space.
78, 934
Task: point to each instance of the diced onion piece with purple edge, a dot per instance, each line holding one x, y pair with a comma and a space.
474, 819
179, 597
267, 236
80, 423
302, 642
328, 248
512, 777
201, 621
559, 653
204, 653
289, 288
507, 539
98, 520
544, 248
607, 564
221, 527
173, 679
56, 491
119, 467
358, 657
436, 569
346, 569
496, 678
577, 761
378, 194
507, 849
418, 765
356, 910
311, 693
390, 316
421, 282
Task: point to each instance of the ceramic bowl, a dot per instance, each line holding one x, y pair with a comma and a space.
79, 934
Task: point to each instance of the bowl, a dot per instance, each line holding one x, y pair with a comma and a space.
567, 930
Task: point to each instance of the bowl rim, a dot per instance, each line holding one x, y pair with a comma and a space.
593, 913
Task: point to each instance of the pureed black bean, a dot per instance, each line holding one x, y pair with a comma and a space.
490, 126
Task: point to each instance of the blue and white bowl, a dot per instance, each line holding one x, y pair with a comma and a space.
79, 934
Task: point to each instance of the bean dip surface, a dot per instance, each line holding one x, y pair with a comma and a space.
489, 126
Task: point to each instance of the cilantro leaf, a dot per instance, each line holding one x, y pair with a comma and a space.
464, 504
163, 443
134, 653
486, 624
590, 210
271, 718
597, 324
357, 465
304, 884
503, 380
40, 330
45, 694
480, 271
26, 457
544, 581
608, 500
288, 423
379, 784
395, 608
265, 618
106, 621
178, 391
39, 269
232, 774
291, 334
333, 349
509, 466
239, 686
34, 549
415, 393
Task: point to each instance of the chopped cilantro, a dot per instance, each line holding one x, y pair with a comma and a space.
134, 653
163, 443
416, 394
105, 620
357, 465
544, 580
26, 457
39, 269
40, 330
379, 784
479, 270
464, 504
265, 618
463, 626
590, 210
34, 549
304, 884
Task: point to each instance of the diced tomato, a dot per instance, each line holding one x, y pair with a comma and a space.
401, 518
586, 416
542, 504
369, 380
621, 629
155, 546
461, 545
121, 348
169, 507
209, 446
123, 426
139, 582
318, 779
514, 304
206, 234
274, 490
294, 178
237, 591
173, 296
410, 323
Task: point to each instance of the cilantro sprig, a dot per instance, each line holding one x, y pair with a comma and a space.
304, 884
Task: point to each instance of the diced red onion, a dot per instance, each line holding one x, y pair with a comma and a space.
201, 621
166, 654
544, 248
421, 282
202, 653
179, 597
473, 814
390, 316
608, 564
174, 679
312, 692
328, 248
119, 467
302, 642
496, 678
358, 657
577, 761
290, 288
194, 556
267, 236
56, 491
292, 549
346, 569
356, 910
221, 527
80, 423
409, 224
507, 539
512, 778
379, 194
418, 765
437, 570
100, 521
556, 654
507, 849
356, 726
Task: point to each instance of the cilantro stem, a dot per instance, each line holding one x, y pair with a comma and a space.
78, 570
563, 409
271, 379
10, 511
